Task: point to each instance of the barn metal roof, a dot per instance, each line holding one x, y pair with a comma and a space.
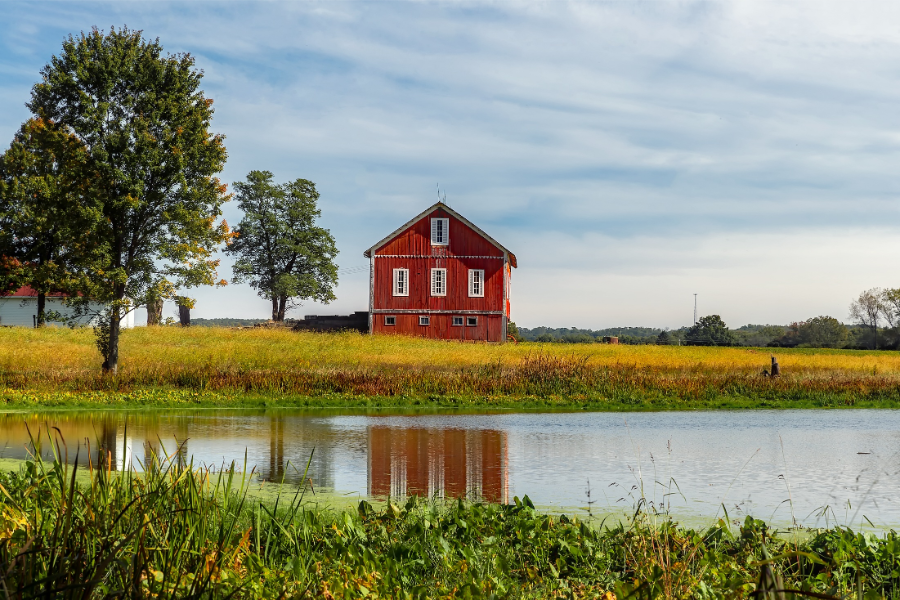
425, 213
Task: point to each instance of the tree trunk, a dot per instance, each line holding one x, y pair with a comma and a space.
184, 315
111, 364
41, 308
282, 301
274, 308
154, 311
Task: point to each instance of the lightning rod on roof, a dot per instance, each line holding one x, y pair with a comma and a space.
441, 198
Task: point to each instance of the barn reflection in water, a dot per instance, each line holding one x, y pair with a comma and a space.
438, 462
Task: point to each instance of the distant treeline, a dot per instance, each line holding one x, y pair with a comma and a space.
817, 332
225, 322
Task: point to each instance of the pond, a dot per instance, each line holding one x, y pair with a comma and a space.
811, 467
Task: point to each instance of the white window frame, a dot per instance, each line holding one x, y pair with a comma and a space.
471, 321
401, 276
476, 283
439, 291
390, 321
424, 321
444, 225
458, 321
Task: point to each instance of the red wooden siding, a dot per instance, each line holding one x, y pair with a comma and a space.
468, 249
417, 239
457, 297
489, 328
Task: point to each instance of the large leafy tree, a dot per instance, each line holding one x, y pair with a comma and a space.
279, 248
144, 122
46, 208
709, 331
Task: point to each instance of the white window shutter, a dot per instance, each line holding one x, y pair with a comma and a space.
433, 281
471, 282
434, 231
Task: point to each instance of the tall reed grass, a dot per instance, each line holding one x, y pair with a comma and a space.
176, 531
285, 362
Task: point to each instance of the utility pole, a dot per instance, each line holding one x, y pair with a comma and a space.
695, 309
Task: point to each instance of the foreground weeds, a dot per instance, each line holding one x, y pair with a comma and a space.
175, 531
223, 367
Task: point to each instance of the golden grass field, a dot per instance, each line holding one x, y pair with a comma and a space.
286, 362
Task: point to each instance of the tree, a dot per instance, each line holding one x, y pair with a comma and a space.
817, 332
709, 331
663, 339
513, 331
866, 311
279, 248
145, 125
45, 209
822, 332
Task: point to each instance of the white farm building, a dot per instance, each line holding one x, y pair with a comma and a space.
19, 309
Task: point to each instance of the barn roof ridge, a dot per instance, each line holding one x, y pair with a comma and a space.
425, 213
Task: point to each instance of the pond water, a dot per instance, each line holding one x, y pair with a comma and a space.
802, 466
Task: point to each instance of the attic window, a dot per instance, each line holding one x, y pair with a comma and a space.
440, 232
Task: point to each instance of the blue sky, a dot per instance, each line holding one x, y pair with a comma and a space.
631, 154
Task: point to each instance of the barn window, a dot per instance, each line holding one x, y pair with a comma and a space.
457, 321
476, 283
440, 232
401, 282
424, 320
472, 321
439, 282
390, 320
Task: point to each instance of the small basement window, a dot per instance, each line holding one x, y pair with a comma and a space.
457, 321
424, 320
390, 320
472, 321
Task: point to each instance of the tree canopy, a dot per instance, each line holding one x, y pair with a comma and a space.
144, 123
279, 248
45, 209
709, 331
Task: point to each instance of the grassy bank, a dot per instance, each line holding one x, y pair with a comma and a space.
218, 367
179, 532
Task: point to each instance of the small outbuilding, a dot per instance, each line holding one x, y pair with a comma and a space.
440, 276
19, 309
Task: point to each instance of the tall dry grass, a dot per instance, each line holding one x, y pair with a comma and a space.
307, 363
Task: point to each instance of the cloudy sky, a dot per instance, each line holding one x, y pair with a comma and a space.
630, 153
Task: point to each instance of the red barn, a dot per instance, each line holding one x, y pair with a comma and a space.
440, 276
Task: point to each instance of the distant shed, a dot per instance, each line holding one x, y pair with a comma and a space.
19, 309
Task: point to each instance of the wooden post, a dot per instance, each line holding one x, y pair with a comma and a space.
775, 370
